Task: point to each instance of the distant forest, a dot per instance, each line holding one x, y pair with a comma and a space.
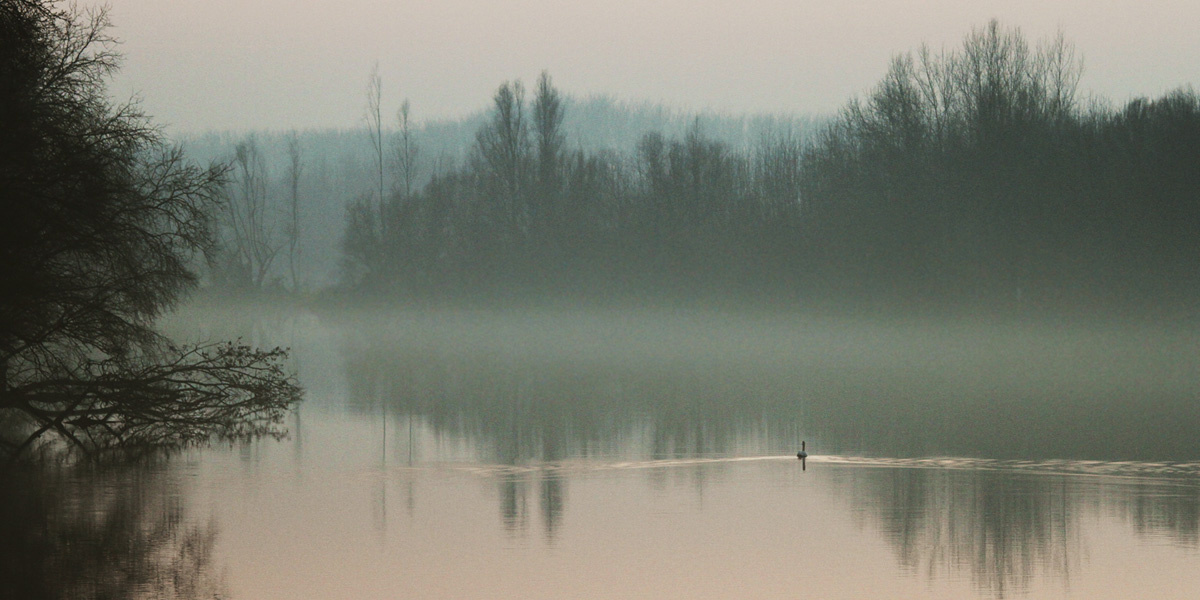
339, 167
977, 176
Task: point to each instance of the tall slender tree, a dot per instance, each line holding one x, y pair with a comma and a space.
407, 150
295, 168
253, 229
548, 114
375, 130
503, 145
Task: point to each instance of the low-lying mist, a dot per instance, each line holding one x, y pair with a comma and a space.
970, 259
573, 379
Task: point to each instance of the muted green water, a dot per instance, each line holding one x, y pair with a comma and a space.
651, 454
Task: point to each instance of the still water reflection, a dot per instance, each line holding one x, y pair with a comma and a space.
102, 533
610, 455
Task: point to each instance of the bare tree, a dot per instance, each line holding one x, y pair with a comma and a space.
1062, 71
252, 235
295, 167
777, 164
105, 224
143, 404
375, 130
503, 146
362, 247
548, 116
407, 150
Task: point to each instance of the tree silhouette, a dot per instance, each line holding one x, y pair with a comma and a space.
103, 223
375, 130
250, 241
503, 152
548, 116
968, 179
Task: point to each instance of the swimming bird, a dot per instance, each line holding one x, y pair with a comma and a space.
801, 454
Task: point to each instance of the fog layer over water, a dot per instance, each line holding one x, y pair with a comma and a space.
652, 454
666, 323
700, 379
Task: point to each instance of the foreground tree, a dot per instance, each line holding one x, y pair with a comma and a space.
103, 223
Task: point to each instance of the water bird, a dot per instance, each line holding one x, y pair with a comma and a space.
802, 454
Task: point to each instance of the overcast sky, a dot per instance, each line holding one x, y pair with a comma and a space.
278, 64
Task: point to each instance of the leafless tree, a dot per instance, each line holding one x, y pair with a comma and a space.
173, 397
548, 116
503, 147
252, 227
295, 168
104, 224
406, 150
375, 131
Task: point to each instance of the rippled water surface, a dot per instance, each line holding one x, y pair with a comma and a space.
468, 455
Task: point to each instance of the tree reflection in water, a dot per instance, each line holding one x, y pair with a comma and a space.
516, 415
532, 411
1166, 512
1004, 529
82, 533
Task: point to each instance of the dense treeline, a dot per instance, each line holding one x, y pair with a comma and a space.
975, 176
526, 213
972, 176
308, 177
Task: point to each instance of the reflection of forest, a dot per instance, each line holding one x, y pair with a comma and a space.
551, 490
547, 387
515, 404
518, 412
110, 533
1171, 512
1006, 530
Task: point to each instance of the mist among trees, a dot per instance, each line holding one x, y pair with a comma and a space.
978, 177
975, 177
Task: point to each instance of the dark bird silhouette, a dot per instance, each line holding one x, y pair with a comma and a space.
801, 454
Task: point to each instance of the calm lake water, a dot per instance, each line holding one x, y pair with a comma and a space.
651, 454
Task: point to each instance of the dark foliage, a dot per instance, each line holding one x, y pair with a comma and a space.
969, 178
102, 224
529, 216
972, 177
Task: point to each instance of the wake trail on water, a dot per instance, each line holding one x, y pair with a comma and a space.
1187, 472
1097, 468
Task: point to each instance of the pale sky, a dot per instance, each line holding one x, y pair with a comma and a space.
279, 64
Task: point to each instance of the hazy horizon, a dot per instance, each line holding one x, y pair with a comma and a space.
227, 65
731, 288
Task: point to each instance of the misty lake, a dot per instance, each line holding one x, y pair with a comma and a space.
651, 454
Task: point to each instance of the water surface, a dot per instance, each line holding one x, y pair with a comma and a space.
651, 455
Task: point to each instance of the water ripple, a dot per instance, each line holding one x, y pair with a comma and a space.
1128, 469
